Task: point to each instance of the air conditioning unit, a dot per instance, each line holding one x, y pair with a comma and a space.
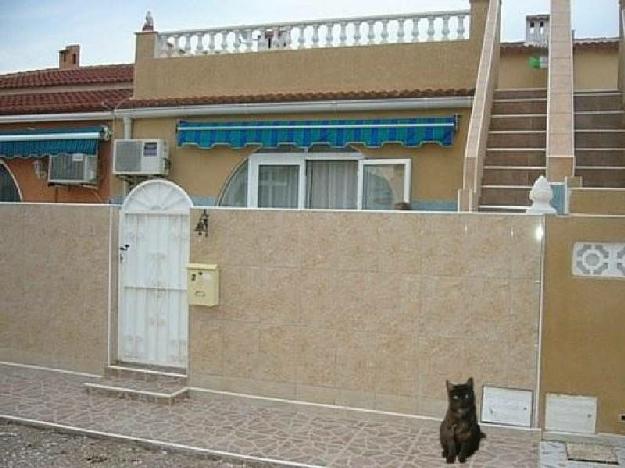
140, 157
73, 168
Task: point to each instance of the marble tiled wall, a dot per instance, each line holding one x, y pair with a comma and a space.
370, 310
54, 265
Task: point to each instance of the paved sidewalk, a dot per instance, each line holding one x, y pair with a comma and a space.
280, 434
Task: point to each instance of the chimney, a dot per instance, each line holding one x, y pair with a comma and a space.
69, 57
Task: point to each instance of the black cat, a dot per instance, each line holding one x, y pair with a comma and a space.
460, 432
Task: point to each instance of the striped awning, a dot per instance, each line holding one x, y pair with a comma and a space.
373, 133
40, 143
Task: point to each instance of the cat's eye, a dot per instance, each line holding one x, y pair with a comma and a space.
466, 397
456, 397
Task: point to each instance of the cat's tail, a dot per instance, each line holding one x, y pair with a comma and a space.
482, 435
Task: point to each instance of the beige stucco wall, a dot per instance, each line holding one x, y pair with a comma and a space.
368, 310
583, 348
596, 68
597, 201
593, 69
515, 71
436, 170
450, 64
54, 265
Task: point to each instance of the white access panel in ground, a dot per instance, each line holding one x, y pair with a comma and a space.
507, 406
568, 413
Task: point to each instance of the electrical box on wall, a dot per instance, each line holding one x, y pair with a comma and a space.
202, 284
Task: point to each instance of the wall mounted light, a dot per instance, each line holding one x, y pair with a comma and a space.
202, 225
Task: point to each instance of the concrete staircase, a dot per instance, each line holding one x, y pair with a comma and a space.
600, 139
146, 384
515, 154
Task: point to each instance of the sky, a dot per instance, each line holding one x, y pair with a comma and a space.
33, 31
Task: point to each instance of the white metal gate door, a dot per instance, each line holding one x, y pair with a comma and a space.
154, 252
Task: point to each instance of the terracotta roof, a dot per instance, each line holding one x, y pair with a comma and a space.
103, 74
62, 102
605, 43
294, 97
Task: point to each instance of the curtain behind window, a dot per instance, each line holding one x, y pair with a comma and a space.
331, 184
235, 193
383, 186
278, 186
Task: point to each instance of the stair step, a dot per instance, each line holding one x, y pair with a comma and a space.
518, 122
599, 157
503, 208
517, 139
599, 120
598, 101
519, 106
522, 93
515, 157
507, 176
166, 375
602, 177
505, 195
600, 138
158, 391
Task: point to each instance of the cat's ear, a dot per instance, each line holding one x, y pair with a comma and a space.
450, 386
470, 382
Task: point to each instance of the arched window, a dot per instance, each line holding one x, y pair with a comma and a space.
234, 192
8, 188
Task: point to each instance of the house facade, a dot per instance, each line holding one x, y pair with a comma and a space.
280, 156
56, 128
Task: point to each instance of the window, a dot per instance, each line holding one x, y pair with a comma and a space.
318, 181
383, 183
8, 189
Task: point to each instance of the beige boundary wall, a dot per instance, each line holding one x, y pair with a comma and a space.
370, 310
583, 335
54, 300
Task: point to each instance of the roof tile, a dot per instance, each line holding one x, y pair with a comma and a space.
103, 74
294, 97
63, 102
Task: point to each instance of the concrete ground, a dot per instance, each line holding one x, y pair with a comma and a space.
259, 432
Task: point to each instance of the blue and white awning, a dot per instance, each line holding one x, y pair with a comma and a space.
40, 143
372, 133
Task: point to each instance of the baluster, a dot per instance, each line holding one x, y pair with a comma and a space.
187, 44
199, 47
384, 31
343, 36
211, 43
329, 35
445, 28
357, 35
249, 41
415, 29
315, 36
400, 30
461, 29
371, 32
237, 41
163, 46
287, 39
301, 40
431, 28
176, 51
224, 42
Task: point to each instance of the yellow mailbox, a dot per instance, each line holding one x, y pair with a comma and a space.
203, 284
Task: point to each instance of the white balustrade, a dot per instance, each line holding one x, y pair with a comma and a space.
343, 32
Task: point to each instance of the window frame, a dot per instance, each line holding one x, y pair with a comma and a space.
407, 163
299, 159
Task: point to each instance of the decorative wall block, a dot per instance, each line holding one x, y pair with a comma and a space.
599, 259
